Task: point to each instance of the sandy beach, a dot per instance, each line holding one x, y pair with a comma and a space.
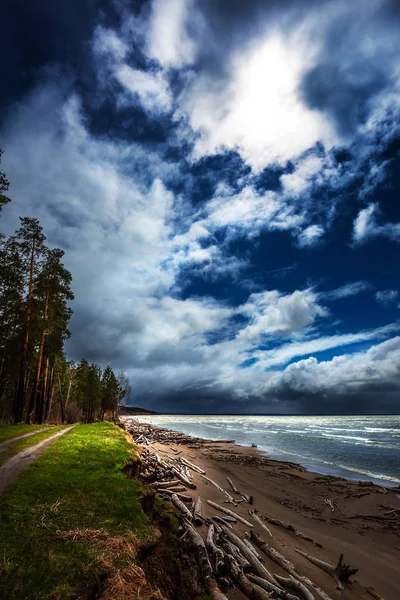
359, 519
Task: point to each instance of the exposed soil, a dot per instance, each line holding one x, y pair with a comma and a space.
172, 570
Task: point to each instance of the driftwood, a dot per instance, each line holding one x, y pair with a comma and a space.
373, 593
229, 519
232, 485
253, 549
165, 484
338, 573
294, 584
197, 512
218, 519
229, 512
204, 563
292, 529
180, 506
260, 522
183, 497
329, 502
234, 489
183, 478
285, 564
192, 466
248, 499
232, 550
214, 552
228, 496
269, 587
258, 568
176, 488
249, 589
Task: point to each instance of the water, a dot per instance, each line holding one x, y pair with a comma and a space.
355, 447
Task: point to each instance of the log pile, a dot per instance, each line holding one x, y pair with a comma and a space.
147, 434
225, 556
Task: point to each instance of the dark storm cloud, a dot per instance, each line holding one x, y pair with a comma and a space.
355, 64
233, 23
35, 33
282, 401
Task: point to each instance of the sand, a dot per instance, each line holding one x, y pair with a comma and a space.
364, 526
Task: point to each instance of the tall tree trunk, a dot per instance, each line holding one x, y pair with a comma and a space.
68, 394
49, 397
42, 396
34, 404
61, 400
20, 397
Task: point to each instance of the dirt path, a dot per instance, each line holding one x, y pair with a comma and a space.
13, 467
8, 443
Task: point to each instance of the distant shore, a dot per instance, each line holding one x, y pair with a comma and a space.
364, 523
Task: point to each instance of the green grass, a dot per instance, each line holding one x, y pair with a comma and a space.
77, 484
7, 432
27, 442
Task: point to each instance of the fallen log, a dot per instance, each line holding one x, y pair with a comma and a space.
251, 547
232, 485
292, 529
228, 496
296, 585
258, 568
329, 502
216, 553
286, 565
269, 587
180, 506
218, 519
183, 478
229, 512
249, 589
176, 488
247, 498
192, 466
198, 512
183, 497
255, 516
165, 484
339, 572
203, 560
373, 593
232, 550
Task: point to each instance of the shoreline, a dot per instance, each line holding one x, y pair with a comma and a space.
320, 468
363, 522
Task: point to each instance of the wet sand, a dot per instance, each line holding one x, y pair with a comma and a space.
364, 525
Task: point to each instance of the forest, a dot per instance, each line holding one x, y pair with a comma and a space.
38, 384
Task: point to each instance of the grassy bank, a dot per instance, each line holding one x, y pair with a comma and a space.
25, 443
8, 432
68, 520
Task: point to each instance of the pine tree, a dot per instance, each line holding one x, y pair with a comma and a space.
4, 185
110, 393
29, 240
53, 292
11, 317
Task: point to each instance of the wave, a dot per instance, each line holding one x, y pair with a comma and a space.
368, 447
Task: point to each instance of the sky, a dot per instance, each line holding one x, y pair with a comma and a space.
224, 178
